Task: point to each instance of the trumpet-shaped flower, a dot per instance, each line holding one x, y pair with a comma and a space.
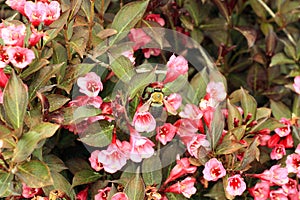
90, 84
236, 185
176, 66
20, 57
165, 133
52, 12
213, 170
36, 12
185, 187
143, 122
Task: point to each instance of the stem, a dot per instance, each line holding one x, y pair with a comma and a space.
273, 15
91, 24
102, 13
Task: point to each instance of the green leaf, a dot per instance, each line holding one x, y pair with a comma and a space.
77, 164
5, 181
29, 141
85, 177
97, 135
251, 153
62, 184
199, 83
84, 112
239, 132
79, 46
139, 82
122, 67
279, 59
56, 101
249, 104
267, 123
216, 192
172, 196
127, 17
280, 110
192, 7
34, 67
249, 33
233, 114
75, 6
228, 147
258, 8
54, 163
73, 72
216, 129
15, 100
135, 189
151, 171
34, 174
43, 76
263, 113
296, 106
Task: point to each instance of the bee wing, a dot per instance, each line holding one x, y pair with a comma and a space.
169, 108
145, 107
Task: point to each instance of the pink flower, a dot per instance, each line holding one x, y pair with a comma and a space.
236, 185
86, 100
119, 196
141, 147
129, 55
194, 144
95, 164
3, 78
286, 130
176, 66
102, 194
20, 57
151, 52
278, 152
114, 158
278, 195
1, 97
83, 194
143, 121
290, 187
260, 191
296, 84
36, 12
52, 12
29, 192
279, 175
139, 37
185, 187
174, 100
17, 5
4, 59
293, 163
215, 93
213, 170
182, 167
90, 84
155, 18
186, 129
298, 149
35, 36
13, 35
165, 133
191, 111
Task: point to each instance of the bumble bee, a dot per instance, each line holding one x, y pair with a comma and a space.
155, 101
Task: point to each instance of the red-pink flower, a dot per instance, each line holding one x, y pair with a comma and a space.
1, 97
13, 35
83, 194
213, 170
286, 130
293, 163
90, 84
185, 187
52, 12
95, 164
155, 18
114, 158
165, 133
176, 66
35, 36
279, 175
278, 195
4, 59
260, 191
20, 57
102, 194
119, 196
192, 112
151, 52
182, 167
36, 12
194, 144
129, 55
86, 100
186, 129
278, 152
29, 192
298, 149
17, 5
139, 37
236, 185
290, 187
174, 100
143, 121
141, 147
215, 93
296, 84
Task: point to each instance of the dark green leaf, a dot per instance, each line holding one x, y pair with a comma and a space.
34, 67
85, 177
5, 181
233, 114
139, 82
249, 33
56, 101
228, 147
62, 184
97, 135
267, 123
34, 174
239, 132
54, 163
126, 18
15, 100
216, 129
192, 7
135, 189
250, 155
296, 105
122, 67
151, 171
263, 113
199, 83
249, 104
172, 196
75, 6
77, 164
29, 141
280, 110
280, 58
